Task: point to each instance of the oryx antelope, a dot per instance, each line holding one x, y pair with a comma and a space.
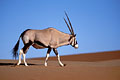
47, 38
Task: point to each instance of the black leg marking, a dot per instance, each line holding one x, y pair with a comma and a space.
48, 52
26, 46
56, 52
47, 56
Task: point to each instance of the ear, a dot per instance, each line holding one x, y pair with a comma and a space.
74, 35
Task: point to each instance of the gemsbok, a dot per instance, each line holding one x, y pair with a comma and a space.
47, 38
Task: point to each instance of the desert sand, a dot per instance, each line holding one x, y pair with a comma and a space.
92, 66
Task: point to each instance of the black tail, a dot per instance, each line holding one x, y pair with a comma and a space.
15, 49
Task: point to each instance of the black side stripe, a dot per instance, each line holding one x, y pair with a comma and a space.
39, 43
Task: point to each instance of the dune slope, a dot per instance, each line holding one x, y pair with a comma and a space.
99, 68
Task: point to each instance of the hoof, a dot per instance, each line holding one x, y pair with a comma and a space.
63, 65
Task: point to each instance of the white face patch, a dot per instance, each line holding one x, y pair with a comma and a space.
72, 43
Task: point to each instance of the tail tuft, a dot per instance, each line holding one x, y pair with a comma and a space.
15, 49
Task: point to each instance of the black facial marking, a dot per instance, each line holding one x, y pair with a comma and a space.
76, 42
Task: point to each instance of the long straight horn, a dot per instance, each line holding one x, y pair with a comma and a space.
70, 23
67, 25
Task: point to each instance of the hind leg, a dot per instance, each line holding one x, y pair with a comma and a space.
23, 52
24, 59
25, 49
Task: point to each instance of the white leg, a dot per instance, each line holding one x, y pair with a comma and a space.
55, 51
61, 64
24, 55
47, 56
21, 52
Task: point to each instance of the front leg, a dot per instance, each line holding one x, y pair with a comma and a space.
56, 52
47, 56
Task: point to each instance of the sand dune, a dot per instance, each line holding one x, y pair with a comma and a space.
90, 57
97, 66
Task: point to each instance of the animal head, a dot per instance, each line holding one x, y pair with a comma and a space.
72, 40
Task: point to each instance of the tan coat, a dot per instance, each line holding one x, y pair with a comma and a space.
49, 37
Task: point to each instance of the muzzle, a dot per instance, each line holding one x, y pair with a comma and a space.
76, 46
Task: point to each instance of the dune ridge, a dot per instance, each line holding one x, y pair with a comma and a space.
90, 57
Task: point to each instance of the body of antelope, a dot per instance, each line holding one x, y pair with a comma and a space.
47, 38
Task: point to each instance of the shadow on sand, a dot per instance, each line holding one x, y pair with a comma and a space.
15, 64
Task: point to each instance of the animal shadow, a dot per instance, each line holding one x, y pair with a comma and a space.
15, 64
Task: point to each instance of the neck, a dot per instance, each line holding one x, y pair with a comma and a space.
64, 40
